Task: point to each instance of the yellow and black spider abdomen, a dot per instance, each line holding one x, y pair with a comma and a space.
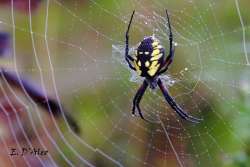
149, 58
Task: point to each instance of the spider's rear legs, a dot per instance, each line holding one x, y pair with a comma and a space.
137, 98
175, 106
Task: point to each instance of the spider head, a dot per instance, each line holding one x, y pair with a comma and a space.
149, 58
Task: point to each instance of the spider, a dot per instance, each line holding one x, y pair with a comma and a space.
150, 62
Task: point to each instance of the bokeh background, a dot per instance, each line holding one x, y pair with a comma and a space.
74, 50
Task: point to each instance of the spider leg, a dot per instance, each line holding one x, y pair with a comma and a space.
170, 38
137, 98
170, 57
128, 58
175, 106
168, 61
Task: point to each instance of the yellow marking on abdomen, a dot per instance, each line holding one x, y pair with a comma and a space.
155, 52
156, 57
153, 68
154, 44
139, 63
137, 68
152, 71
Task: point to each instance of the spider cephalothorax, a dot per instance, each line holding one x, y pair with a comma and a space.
150, 62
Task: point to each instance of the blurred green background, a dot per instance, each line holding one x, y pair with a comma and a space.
210, 72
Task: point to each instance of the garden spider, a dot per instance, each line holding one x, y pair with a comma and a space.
150, 62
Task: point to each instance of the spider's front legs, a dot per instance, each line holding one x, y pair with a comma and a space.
168, 61
128, 58
137, 98
127, 34
170, 57
175, 106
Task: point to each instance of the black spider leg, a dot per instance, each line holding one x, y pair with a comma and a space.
128, 58
170, 57
137, 99
47, 103
175, 106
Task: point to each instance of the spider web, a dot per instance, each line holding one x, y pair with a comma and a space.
75, 53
